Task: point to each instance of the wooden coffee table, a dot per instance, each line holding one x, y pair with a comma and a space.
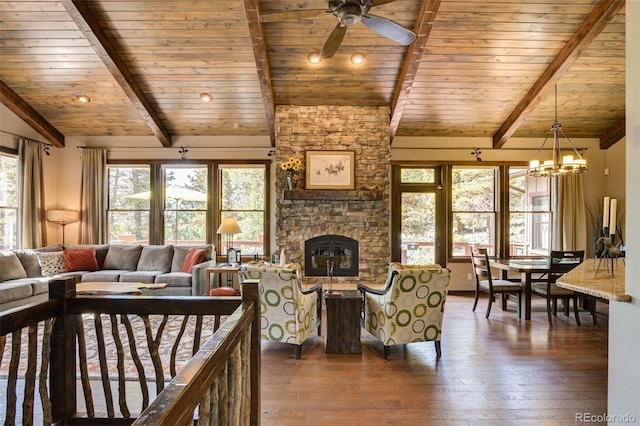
115, 287
343, 322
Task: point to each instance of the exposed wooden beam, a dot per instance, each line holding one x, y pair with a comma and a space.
30, 116
411, 63
262, 64
602, 13
613, 135
90, 27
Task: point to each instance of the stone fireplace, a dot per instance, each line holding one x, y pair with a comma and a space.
361, 214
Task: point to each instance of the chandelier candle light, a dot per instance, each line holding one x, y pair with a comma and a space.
559, 164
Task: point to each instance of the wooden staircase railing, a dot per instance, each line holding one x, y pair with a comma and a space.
220, 382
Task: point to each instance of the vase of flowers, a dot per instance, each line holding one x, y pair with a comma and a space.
291, 167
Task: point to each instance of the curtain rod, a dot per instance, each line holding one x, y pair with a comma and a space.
492, 149
26, 138
205, 148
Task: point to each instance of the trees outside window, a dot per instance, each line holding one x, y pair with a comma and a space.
129, 205
185, 204
473, 205
243, 196
497, 207
8, 201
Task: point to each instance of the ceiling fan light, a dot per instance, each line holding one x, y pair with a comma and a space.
349, 14
206, 97
314, 57
83, 98
357, 58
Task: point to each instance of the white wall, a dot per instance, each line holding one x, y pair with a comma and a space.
624, 318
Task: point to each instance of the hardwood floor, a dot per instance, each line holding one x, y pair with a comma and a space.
500, 371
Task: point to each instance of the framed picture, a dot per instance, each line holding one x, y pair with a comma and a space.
330, 170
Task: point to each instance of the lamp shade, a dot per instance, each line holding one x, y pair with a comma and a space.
63, 216
229, 225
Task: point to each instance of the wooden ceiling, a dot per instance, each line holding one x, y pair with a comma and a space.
477, 69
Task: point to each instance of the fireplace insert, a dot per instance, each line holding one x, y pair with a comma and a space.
334, 255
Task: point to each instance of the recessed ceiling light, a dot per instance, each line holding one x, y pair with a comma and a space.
206, 97
357, 58
83, 98
314, 57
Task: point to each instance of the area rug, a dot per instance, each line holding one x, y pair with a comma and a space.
163, 334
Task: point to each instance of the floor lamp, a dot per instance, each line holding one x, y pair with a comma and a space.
63, 217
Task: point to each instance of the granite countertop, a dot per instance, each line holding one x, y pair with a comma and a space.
583, 279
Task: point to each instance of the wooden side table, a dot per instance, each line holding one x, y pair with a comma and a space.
343, 323
220, 269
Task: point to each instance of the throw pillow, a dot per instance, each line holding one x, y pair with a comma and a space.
155, 258
194, 256
51, 263
122, 257
10, 267
80, 259
224, 291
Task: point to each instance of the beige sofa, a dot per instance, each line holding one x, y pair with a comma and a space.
25, 274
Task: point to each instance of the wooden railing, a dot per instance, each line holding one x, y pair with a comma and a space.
219, 384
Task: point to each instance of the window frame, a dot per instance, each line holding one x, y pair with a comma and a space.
156, 219
444, 230
16, 244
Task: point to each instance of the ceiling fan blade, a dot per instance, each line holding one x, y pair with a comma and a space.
333, 42
389, 29
292, 14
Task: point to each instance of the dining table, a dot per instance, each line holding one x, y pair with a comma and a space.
530, 269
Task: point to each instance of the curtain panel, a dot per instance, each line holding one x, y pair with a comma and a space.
570, 214
32, 225
93, 224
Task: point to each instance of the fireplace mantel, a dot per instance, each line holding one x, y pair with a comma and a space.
332, 195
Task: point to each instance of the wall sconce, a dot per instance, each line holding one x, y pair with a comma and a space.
182, 151
357, 58
83, 98
63, 217
477, 152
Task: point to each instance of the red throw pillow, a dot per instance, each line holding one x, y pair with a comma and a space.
194, 256
83, 259
224, 291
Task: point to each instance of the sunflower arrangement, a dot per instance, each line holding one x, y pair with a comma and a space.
293, 165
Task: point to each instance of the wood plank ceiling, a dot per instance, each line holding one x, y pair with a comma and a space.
477, 69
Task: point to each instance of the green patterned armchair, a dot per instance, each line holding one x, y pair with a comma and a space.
289, 313
409, 308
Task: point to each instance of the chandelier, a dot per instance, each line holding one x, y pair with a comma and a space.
559, 164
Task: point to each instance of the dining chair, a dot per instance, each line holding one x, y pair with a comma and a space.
560, 262
486, 283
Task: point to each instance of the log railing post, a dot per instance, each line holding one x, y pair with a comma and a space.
250, 293
62, 379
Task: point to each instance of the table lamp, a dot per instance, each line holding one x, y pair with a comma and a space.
228, 227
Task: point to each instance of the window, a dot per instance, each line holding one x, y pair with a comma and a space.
243, 196
129, 206
473, 206
499, 208
416, 215
185, 204
8, 201
529, 214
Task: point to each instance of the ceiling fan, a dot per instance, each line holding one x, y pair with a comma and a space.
348, 12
